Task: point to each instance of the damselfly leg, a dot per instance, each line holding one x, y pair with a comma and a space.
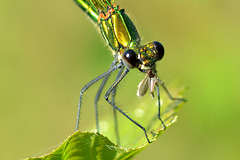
125, 72
113, 100
168, 93
98, 95
159, 107
107, 73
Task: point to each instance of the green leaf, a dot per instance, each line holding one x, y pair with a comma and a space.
94, 146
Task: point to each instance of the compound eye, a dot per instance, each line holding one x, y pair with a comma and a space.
130, 58
159, 50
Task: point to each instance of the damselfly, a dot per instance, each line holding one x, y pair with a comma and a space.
121, 35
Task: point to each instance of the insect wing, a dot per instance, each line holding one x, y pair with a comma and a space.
143, 87
152, 83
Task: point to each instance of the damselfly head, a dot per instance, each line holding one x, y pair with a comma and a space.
144, 58
149, 54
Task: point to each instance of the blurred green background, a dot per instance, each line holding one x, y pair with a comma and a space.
49, 50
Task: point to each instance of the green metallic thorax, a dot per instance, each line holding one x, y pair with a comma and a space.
118, 30
116, 27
